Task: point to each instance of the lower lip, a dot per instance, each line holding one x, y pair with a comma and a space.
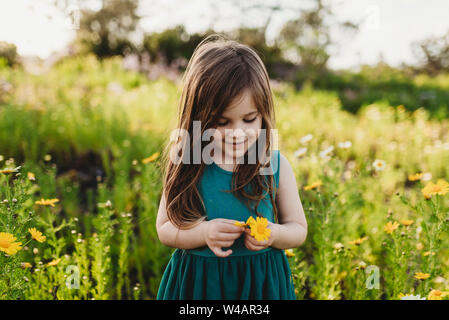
235, 145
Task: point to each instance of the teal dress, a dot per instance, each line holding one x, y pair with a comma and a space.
245, 274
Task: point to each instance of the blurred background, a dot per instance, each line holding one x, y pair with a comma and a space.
89, 92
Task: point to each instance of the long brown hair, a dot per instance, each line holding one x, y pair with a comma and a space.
219, 71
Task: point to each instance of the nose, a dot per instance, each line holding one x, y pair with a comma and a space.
235, 135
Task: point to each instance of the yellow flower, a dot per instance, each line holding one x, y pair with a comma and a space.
289, 253
427, 253
421, 276
47, 202
151, 158
53, 262
314, 185
37, 235
357, 242
390, 227
8, 244
31, 176
240, 224
414, 177
250, 221
259, 229
437, 295
407, 222
25, 265
441, 188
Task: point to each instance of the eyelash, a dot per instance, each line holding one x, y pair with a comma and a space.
247, 121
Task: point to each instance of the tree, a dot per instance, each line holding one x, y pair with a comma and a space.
107, 31
433, 54
308, 36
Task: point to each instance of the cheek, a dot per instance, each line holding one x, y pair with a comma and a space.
218, 137
254, 130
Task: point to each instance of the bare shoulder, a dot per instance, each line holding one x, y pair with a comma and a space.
286, 174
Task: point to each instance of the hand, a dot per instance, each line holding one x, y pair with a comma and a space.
252, 244
220, 233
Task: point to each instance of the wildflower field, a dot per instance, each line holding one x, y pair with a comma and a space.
80, 184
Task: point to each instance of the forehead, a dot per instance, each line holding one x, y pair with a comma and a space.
241, 105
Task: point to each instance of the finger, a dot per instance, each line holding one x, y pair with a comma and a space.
254, 242
250, 246
224, 244
221, 236
231, 228
253, 247
220, 253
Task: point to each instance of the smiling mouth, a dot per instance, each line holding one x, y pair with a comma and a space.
236, 143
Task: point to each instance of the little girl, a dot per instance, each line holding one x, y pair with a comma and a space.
227, 92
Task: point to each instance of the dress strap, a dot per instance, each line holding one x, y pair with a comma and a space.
276, 165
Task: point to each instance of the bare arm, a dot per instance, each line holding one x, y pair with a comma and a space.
185, 238
291, 231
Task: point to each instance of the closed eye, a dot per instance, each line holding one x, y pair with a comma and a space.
247, 121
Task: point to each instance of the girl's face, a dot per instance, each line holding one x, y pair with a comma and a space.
237, 129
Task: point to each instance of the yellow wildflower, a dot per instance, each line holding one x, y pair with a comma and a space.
250, 221
427, 253
259, 229
240, 224
441, 188
151, 158
47, 202
407, 222
314, 185
8, 244
289, 253
390, 227
342, 275
54, 262
357, 242
37, 235
416, 176
422, 276
25, 265
437, 295
31, 176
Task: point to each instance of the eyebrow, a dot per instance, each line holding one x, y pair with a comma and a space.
243, 115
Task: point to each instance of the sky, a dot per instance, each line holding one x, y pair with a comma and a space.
388, 27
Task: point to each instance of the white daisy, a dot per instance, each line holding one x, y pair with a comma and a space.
379, 165
306, 138
326, 152
300, 152
412, 297
345, 145
427, 176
